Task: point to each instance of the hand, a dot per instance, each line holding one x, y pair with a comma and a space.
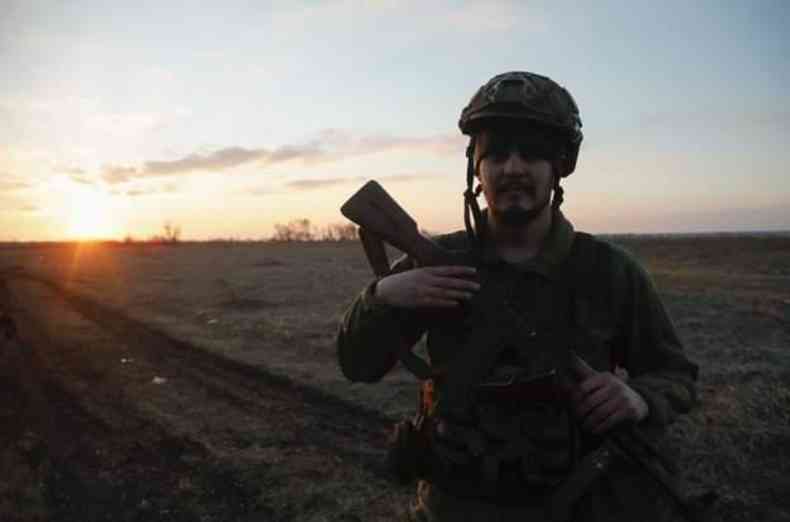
604, 400
437, 286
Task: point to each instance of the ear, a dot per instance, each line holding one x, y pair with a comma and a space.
559, 169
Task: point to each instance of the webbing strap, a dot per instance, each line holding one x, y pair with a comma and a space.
589, 270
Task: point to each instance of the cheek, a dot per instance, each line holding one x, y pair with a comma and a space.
486, 174
485, 185
547, 177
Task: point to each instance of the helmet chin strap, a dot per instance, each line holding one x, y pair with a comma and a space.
475, 230
559, 193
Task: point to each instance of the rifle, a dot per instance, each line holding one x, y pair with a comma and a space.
380, 219
497, 321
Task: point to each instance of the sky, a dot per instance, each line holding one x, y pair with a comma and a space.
226, 118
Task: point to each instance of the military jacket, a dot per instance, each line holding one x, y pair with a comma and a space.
618, 315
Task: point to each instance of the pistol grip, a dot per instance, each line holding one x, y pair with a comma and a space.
375, 251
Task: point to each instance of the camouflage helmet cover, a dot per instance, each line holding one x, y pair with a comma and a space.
529, 99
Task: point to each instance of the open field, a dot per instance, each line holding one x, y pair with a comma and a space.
250, 419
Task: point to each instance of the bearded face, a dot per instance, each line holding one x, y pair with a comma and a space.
516, 175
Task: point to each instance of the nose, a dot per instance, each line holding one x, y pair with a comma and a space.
514, 165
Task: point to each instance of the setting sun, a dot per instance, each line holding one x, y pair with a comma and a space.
90, 216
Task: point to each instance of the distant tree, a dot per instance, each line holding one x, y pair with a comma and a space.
339, 232
170, 234
295, 230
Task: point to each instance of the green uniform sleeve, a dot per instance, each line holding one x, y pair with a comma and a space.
372, 333
655, 358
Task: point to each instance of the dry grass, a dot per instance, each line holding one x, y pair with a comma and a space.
278, 305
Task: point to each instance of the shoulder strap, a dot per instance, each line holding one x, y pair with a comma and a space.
589, 269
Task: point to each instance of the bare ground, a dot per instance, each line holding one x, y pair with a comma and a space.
252, 420
88, 434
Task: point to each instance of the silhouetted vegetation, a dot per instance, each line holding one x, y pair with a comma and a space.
303, 230
171, 234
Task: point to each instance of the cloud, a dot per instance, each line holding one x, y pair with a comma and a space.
12, 186
140, 192
311, 184
316, 183
147, 191
82, 180
71, 171
10, 206
261, 191
117, 174
397, 178
219, 160
330, 145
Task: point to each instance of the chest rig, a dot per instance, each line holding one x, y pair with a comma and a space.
494, 415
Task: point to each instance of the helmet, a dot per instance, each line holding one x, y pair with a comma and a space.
527, 99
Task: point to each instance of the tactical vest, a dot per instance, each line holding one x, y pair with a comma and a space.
513, 435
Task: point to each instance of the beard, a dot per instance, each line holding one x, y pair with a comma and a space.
515, 215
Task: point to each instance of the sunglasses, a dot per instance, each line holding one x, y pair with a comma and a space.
531, 146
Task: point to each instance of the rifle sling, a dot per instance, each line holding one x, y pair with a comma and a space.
502, 325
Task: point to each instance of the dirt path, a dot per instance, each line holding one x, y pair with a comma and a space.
104, 418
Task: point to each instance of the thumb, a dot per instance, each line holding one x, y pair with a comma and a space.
579, 367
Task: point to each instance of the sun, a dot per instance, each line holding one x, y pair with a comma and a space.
90, 215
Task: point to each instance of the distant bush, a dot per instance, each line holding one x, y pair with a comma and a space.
339, 232
295, 230
303, 230
170, 234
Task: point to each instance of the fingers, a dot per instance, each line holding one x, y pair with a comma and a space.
601, 402
587, 386
580, 368
456, 283
607, 423
443, 287
455, 295
452, 271
592, 401
456, 277
606, 414
449, 285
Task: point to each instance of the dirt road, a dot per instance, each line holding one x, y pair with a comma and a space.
104, 418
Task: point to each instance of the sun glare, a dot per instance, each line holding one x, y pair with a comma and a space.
89, 216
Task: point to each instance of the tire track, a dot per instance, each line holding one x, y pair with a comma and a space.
277, 440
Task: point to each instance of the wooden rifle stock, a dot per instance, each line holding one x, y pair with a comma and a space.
375, 251
380, 216
380, 219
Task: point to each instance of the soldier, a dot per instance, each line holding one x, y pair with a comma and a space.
519, 443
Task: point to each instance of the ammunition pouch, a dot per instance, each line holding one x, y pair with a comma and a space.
409, 446
407, 451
